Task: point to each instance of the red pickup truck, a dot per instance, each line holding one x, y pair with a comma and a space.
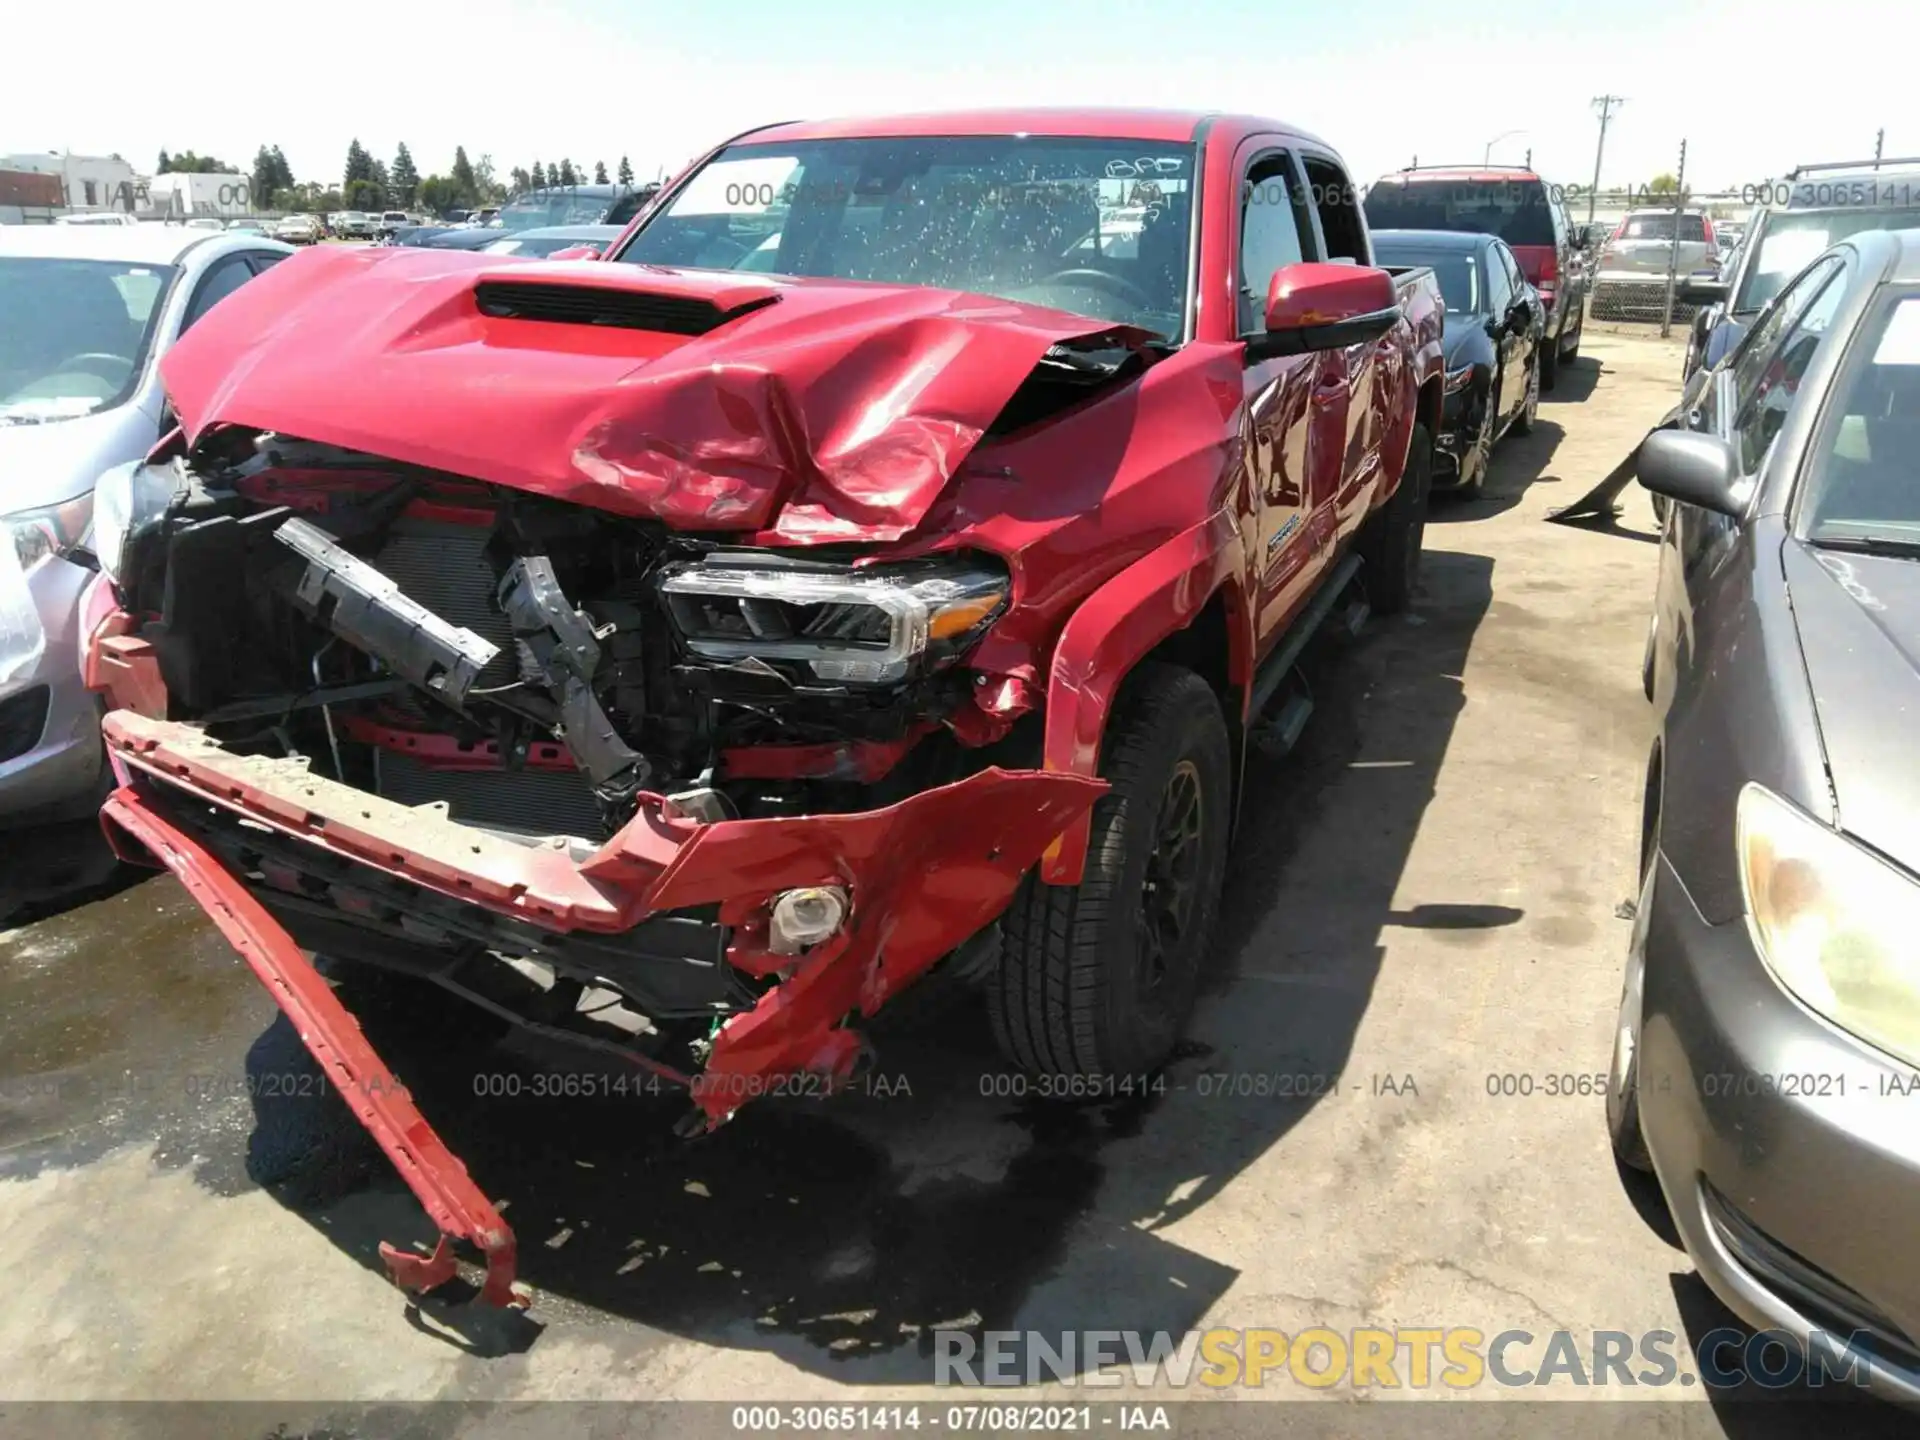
881, 559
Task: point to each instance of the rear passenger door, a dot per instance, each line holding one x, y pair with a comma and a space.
1348, 381
1292, 449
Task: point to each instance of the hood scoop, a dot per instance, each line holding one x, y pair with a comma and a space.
598, 305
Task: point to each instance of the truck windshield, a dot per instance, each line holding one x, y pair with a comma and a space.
1020, 217
74, 334
1515, 210
1787, 241
553, 207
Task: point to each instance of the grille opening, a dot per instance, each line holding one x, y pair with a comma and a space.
616, 309
23, 718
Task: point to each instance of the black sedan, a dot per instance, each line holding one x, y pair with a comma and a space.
1767, 1055
1492, 344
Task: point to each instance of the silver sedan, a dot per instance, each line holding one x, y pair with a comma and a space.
86, 312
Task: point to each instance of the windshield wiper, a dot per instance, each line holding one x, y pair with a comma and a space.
1890, 545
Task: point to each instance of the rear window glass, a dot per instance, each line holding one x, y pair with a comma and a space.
1515, 210
1659, 226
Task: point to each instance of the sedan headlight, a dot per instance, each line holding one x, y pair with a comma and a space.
1833, 922
866, 626
127, 498
39, 535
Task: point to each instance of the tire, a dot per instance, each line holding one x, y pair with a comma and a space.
1570, 353
1390, 546
1530, 409
1076, 994
1624, 1132
1549, 363
306, 1145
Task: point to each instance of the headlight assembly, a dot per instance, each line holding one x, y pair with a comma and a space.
126, 499
39, 535
1833, 922
864, 626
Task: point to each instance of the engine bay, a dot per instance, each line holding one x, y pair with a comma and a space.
534, 665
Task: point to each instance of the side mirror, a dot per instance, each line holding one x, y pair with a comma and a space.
1691, 468
1313, 306
1520, 316
1703, 287
577, 252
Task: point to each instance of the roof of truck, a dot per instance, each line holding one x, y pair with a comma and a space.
1105, 122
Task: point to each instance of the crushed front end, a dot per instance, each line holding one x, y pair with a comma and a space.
697, 804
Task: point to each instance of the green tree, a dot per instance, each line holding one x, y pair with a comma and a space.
403, 177
262, 179
1663, 184
485, 183
165, 165
522, 179
282, 172
538, 179
363, 195
599, 172
565, 174
188, 163
381, 182
464, 178
359, 166
625, 172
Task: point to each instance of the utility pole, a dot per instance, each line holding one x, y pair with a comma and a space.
1879, 139
1529, 157
1673, 245
1606, 104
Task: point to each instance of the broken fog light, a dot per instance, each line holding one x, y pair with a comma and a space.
858, 626
803, 918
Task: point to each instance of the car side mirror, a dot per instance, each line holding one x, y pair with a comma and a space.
1691, 468
1520, 316
576, 252
1703, 287
1314, 306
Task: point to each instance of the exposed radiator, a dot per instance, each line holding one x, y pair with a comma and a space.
444, 567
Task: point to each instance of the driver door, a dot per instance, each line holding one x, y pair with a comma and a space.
1290, 453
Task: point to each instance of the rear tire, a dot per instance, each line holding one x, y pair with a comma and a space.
1096, 980
1549, 363
1390, 545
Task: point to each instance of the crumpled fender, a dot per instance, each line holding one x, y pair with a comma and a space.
1113, 630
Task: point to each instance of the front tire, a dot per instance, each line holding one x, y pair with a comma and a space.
1096, 980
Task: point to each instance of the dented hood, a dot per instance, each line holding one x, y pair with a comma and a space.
815, 409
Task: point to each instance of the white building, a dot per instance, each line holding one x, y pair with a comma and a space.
183, 195
91, 182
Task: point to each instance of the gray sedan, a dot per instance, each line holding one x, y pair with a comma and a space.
86, 312
1767, 1057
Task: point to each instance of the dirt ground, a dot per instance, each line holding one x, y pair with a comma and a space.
1427, 900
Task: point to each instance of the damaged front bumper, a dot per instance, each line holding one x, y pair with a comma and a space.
922, 876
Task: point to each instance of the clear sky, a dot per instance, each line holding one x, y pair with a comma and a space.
1753, 86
